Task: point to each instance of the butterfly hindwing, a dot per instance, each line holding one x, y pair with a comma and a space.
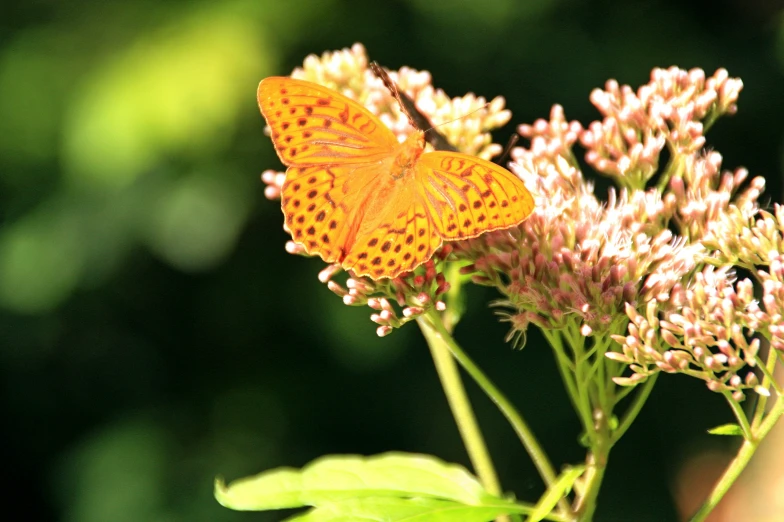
466, 195
403, 239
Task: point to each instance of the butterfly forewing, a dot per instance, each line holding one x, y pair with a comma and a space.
313, 125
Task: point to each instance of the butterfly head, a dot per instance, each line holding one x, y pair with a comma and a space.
417, 138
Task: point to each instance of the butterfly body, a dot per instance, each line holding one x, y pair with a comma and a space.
407, 155
356, 196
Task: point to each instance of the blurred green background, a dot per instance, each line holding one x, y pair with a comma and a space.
154, 333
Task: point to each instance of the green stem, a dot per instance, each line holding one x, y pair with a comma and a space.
737, 410
567, 370
637, 403
434, 330
674, 168
596, 399
740, 461
604, 385
768, 381
596, 465
710, 119
461, 407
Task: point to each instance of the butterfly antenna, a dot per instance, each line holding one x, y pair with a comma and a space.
392, 87
483, 107
409, 108
513, 139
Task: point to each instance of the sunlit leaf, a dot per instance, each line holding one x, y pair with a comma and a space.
555, 493
334, 478
401, 509
727, 429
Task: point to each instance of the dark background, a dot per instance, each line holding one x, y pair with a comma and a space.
153, 331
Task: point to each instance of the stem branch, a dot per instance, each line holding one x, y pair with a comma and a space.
436, 333
741, 460
461, 408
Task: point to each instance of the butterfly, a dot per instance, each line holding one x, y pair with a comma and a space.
354, 195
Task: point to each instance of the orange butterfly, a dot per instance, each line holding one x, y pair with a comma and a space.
355, 196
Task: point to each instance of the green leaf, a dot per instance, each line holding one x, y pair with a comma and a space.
727, 429
335, 478
385, 509
555, 493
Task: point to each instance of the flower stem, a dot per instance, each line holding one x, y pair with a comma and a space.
585, 373
674, 168
768, 381
637, 403
567, 369
460, 406
436, 333
740, 415
740, 461
585, 504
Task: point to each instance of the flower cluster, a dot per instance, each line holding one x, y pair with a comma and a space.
413, 293
653, 267
707, 327
702, 331
673, 109
464, 121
